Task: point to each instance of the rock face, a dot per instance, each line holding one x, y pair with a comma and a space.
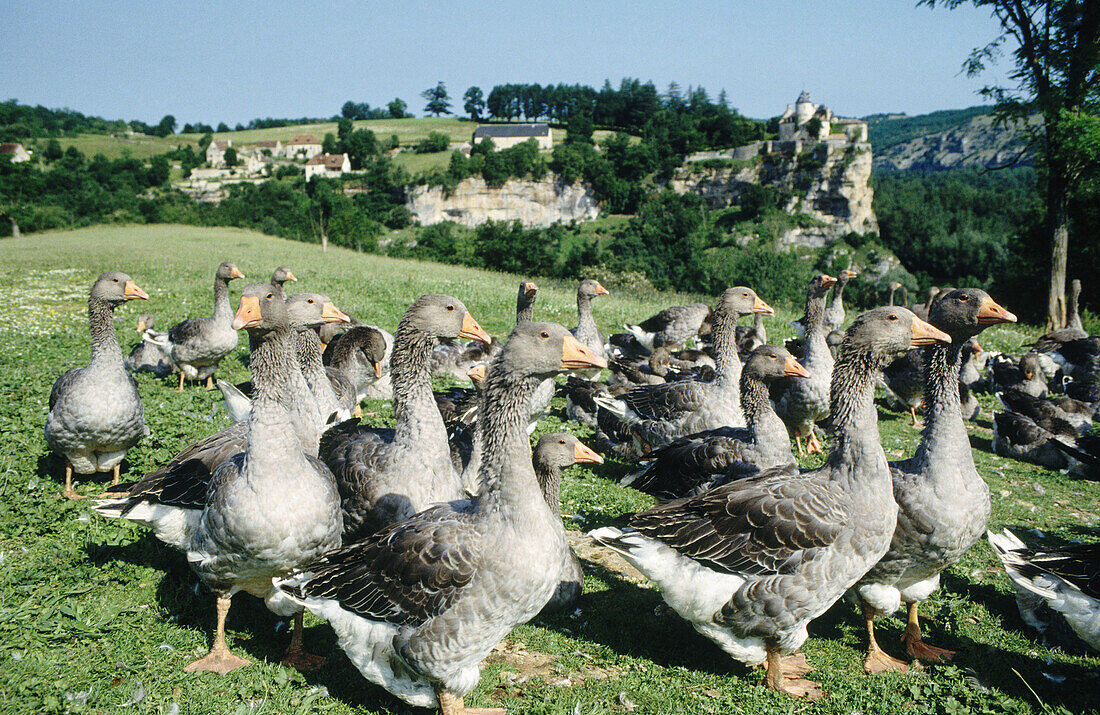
534, 203
825, 180
975, 143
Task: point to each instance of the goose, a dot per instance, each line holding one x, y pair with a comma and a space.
750, 563
691, 465
1065, 580
974, 358
197, 345
360, 353
659, 414
1025, 374
95, 412
801, 403
904, 382
1048, 412
1021, 438
943, 503
146, 356
894, 286
270, 508
1082, 455
580, 398
672, 326
651, 370
625, 345
554, 452
387, 475
586, 330
1080, 359
834, 314
749, 339
418, 605
169, 500
280, 276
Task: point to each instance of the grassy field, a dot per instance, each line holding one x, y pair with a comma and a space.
115, 147
96, 614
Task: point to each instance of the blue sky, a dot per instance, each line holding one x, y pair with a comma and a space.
233, 61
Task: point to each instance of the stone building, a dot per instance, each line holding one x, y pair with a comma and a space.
302, 146
215, 153
796, 124
274, 147
508, 135
327, 166
16, 151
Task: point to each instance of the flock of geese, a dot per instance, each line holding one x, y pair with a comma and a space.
424, 544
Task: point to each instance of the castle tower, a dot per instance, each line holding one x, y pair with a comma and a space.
803, 109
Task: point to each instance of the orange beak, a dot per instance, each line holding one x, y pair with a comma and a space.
378, 370
477, 373
130, 291
992, 314
827, 280
529, 288
851, 273
600, 290
236, 273
582, 454
976, 348
290, 277
248, 313
925, 334
793, 368
472, 331
331, 314
574, 355
141, 326
759, 306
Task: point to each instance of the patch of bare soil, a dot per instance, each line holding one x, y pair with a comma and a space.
588, 550
522, 664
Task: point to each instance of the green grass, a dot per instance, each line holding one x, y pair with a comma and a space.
93, 611
116, 147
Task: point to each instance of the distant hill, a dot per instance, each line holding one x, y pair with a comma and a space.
974, 143
887, 130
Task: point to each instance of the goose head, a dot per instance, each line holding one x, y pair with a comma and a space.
228, 271
281, 275
145, 322
115, 288
443, 316
846, 275
660, 361
525, 299
260, 310
820, 285
965, 312
739, 300
590, 288
311, 310
543, 350
882, 335
373, 345
561, 449
771, 362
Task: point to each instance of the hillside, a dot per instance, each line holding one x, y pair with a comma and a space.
945, 140
887, 130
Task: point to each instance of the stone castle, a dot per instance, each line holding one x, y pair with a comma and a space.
797, 124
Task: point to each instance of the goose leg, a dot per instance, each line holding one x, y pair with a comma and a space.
813, 444
913, 412
357, 413
115, 477
798, 443
180, 389
451, 704
916, 646
878, 660
296, 656
69, 491
786, 680
219, 660
209, 382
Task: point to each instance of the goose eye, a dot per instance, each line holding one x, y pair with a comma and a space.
450, 307
544, 335
270, 296
561, 441
893, 317
310, 301
964, 296
115, 280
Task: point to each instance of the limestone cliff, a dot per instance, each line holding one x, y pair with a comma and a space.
473, 202
977, 142
825, 180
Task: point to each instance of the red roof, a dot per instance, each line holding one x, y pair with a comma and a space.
329, 161
304, 139
267, 144
9, 148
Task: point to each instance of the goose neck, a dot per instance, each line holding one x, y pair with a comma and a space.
222, 308
943, 423
270, 426
507, 479
727, 363
410, 373
549, 478
105, 349
762, 421
851, 407
585, 320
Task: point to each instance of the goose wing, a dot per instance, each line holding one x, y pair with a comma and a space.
691, 463
665, 401
767, 524
406, 574
187, 330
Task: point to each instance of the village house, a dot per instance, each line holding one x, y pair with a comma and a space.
327, 166
508, 135
302, 146
272, 147
215, 153
15, 151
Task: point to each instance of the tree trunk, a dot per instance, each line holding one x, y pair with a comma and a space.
1058, 225
14, 228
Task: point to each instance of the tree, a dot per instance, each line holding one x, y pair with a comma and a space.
230, 156
397, 108
166, 126
328, 144
1057, 74
438, 100
53, 150
474, 103
223, 127
344, 127
204, 141
350, 110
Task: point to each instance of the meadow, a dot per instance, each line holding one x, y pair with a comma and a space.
97, 615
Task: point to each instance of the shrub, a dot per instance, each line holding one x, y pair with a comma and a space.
434, 143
